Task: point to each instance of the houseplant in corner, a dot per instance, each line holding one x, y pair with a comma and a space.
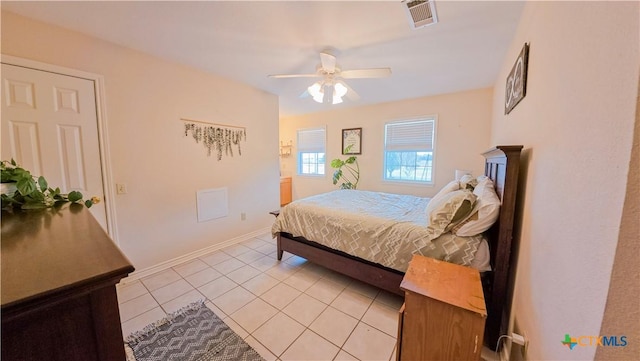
31, 192
347, 171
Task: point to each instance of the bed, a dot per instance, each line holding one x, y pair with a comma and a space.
385, 272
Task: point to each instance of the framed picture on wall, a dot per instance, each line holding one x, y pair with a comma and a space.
352, 137
516, 87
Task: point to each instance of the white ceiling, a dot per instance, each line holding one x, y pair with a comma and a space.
246, 41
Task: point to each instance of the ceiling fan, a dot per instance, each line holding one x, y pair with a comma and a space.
331, 88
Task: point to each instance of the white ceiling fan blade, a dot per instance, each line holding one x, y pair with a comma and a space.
305, 94
366, 73
328, 62
314, 75
351, 94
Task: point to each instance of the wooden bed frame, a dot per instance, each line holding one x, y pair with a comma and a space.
502, 166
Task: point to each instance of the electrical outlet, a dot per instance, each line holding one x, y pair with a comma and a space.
121, 188
243, 216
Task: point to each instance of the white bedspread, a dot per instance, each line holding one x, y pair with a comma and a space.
379, 227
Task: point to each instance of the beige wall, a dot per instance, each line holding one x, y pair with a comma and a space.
163, 169
462, 133
576, 123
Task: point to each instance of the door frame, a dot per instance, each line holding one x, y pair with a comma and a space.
103, 137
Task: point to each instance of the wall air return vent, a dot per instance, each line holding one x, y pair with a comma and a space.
420, 12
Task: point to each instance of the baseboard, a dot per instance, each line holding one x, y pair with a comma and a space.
138, 274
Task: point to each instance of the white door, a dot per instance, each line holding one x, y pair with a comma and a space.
50, 127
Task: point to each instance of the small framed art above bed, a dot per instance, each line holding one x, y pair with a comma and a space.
371, 236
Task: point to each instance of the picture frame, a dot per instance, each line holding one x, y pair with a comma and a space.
516, 85
352, 137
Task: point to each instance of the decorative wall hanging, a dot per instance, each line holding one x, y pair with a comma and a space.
517, 81
218, 137
352, 139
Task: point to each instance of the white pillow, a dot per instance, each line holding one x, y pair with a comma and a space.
486, 211
450, 208
450, 187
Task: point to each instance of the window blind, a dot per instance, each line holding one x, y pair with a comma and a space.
415, 135
311, 140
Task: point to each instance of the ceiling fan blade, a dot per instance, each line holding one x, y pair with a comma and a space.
328, 62
366, 73
314, 75
305, 94
351, 94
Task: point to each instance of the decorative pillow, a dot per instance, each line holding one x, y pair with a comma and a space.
450, 187
485, 212
444, 212
468, 182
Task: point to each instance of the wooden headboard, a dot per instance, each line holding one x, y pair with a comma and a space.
502, 166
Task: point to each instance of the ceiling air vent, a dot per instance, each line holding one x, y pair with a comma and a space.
421, 12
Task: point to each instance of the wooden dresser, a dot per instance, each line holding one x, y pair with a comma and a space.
59, 271
285, 190
444, 312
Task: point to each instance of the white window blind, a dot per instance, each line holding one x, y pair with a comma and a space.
409, 135
311, 140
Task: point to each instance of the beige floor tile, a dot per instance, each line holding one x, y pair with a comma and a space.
186, 299
264, 263
280, 296
390, 299
338, 278
310, 346
278, 333
343, 356
243, 274
216, 310
253, 243
260, 284
266, 248
141, 321
305, 309
364, 289
352, 303
325, 291
228, 266
334, 325
130, 291
191, 267
302, 280
137, 306
266, 237
260, 349
254, 314
214, 258
171, 291
382, 317
235, 250
161, 279
250, 256
368, 343
236, 328
203, 277
282, 271
217, 287
233, 300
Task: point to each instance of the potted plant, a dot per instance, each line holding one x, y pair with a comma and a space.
347, 171
29, 192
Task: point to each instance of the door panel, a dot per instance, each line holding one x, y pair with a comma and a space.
49, 126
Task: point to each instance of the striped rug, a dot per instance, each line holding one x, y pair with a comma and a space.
193, 333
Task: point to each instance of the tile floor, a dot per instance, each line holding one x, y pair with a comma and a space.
289, 310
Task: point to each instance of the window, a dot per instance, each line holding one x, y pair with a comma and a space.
408, 150
311, 151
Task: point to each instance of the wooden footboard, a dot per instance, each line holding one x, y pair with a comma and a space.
371, 273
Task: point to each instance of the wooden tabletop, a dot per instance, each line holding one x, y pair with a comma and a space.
49, 252
446, 282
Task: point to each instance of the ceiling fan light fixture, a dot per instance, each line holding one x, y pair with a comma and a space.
315, 90
340, 90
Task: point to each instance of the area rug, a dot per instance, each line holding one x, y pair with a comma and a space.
194, 333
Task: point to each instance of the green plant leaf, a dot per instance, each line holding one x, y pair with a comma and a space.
33, 205
42, 183
75, 196
350, 160
88, 203
13, 162
337, 163
336, 176
26, 186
